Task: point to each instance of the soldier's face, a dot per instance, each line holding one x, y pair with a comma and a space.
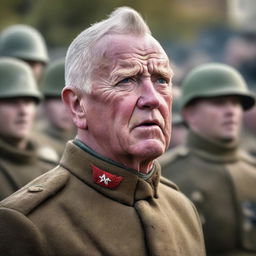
250, 120
57, 114
217, 118
128, 111
37, 69
16, 118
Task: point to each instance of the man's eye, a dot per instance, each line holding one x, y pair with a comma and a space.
162, 80
126, 80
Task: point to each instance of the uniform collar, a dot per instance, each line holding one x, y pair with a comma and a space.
126, 185
20, 156
213, 150
248, 141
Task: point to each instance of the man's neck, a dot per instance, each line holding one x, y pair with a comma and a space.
143, 168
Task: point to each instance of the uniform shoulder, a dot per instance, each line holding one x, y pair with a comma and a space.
45, 151
245, 156
173, 154
48, 154
168, 183
37, 191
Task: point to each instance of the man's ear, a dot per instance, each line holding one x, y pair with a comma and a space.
71, 98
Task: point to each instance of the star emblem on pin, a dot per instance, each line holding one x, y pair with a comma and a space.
104, 179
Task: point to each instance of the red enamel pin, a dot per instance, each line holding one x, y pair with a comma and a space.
105, 179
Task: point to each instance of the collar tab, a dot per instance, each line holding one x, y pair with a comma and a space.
105, 179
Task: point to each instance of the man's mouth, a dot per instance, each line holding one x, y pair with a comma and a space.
230, 123
148, 123
22, 123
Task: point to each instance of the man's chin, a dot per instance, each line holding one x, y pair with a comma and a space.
150, 149
229, 138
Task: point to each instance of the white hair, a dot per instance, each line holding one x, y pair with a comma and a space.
79, 58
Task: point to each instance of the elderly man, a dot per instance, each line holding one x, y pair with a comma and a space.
107, 197
211, 169
21, 159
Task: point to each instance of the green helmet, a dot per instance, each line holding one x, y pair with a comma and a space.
53, 81
213, 80
23, 42
17, 80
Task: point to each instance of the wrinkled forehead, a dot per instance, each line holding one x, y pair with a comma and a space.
122, 47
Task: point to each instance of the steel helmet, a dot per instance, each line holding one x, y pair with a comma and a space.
53, 80
213, 80
17, 80
23, 42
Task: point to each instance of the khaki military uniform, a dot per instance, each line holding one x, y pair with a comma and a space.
248, 141
53, 137
221, 181
90, 205
18, 167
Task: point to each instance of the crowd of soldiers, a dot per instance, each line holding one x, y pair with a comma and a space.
35, 125
211, 156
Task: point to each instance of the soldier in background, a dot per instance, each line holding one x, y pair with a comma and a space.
179, 132
56, 126
248, 139
26, 43
179, 128
21, 160
241, 54
211, 169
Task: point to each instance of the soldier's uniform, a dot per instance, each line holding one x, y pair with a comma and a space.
220, 180
99, 207
248, 141
219, 177
52, 137
18, 167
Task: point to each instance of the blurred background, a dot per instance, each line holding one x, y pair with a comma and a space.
191, 31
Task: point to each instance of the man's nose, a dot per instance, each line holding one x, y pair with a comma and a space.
149, 96
231, 107
22, 106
